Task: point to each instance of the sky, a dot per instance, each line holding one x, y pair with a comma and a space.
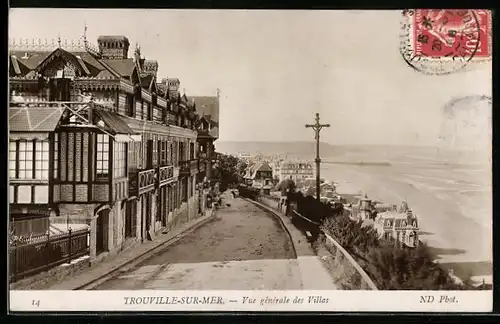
276, 69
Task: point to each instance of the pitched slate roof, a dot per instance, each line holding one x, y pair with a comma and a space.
34, 119
71, 58
260, 167
207, 105
124, 67
146, 80
30, 59
90, 65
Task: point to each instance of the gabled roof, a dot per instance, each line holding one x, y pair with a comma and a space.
260, 167
17, 67
264, 167
31, 61
68, 57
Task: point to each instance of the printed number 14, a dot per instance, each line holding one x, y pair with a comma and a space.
35, 303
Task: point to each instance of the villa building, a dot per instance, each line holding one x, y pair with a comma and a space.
97, 140
260, 176
398, 226
296, 171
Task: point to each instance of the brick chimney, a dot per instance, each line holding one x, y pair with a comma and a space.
113, 47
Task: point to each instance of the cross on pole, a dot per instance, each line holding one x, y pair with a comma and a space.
317, 128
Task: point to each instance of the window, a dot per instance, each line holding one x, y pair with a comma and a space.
155, 150
42, 160
29, 159
130, 105
142, 110
171, 157
149, 108
56, 155
102, 159
12, 159
163, 153
119, 162
191, 151
24, 194
41, 194
11, 194
25, 160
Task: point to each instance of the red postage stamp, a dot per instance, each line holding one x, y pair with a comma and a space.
452, 33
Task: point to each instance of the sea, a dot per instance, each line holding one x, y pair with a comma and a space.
449, 191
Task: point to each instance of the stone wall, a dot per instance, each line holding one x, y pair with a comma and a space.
51, 276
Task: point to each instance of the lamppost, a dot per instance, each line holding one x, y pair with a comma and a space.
317, 128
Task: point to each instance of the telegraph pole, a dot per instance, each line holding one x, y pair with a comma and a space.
317, 128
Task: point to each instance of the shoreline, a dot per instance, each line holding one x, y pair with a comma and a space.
447, 236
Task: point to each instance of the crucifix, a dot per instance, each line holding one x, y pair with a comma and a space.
317, 128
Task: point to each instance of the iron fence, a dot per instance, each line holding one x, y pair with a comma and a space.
32, 255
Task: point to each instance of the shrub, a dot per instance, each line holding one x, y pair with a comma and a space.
406, 268
352, 236
389, 266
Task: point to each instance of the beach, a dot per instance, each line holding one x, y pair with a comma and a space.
453, 202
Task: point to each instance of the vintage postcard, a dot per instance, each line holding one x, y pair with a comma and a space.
236, 160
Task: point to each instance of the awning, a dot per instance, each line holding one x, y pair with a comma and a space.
34, 119
128, 138
115, 124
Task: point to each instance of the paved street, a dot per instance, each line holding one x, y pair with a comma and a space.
242, 248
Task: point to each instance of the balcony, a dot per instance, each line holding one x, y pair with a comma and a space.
188, 168
142, 181
165, 175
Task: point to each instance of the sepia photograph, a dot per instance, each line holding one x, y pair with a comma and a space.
250, 160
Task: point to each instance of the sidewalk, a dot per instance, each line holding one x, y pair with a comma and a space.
130, 257
309, 263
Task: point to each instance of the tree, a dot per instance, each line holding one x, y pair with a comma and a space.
286, 186
228, 171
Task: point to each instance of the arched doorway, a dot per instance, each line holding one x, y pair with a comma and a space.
102, 231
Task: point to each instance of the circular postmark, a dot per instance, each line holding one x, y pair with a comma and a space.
438, 42
466, 123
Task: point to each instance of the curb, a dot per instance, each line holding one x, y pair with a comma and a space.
282, 224
127, 265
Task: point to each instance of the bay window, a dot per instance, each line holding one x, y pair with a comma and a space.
102, 155
29, 159
25, 160
12, 159
42, 160
119, 162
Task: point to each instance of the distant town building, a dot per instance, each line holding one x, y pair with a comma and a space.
296, 171
363, 210
260, 176
398, 226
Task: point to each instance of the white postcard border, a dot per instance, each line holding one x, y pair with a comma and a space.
251, 301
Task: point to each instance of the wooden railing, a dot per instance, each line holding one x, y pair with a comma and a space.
146, 181
165, 174
29, 256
